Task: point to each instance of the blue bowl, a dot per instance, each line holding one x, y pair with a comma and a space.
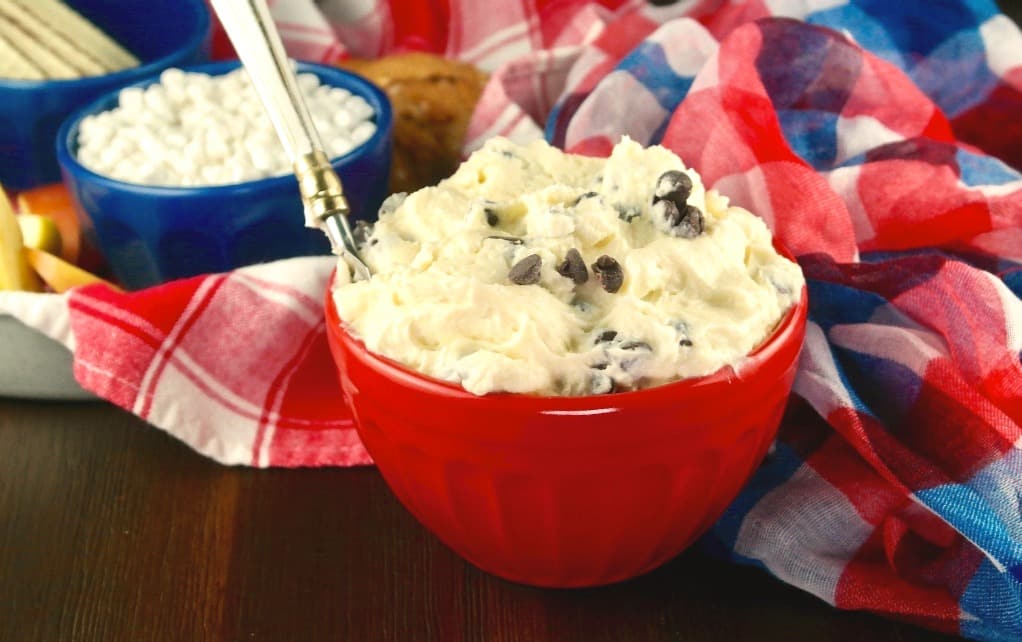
153, 234
161, 33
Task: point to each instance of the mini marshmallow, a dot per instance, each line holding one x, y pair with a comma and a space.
193, 129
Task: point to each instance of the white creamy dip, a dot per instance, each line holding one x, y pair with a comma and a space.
476, 281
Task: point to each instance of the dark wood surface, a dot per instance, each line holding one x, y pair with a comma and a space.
112, 530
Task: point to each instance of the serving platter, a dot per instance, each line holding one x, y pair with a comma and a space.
33, 366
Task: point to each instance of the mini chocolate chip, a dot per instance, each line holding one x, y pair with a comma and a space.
491, 217
601, 384
682, 329
603, 365
507, 154
628, 214
361, 232
608, 272
526, 271
668, 212
686, 222
606, 336
692, 223
629, 365
510, 239
573, 267
674, 186
636, 345
583, 197
780, 287
583, 306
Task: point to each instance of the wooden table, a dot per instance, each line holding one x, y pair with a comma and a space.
112, 530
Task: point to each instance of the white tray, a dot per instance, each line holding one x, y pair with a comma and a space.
33, 366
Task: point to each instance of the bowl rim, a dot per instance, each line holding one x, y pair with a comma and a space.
68, 160
785, 330
125, 77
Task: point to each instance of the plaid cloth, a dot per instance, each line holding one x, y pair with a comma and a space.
878, 140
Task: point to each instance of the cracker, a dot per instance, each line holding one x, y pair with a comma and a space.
63, 48
75, 28
48, 63
15, 65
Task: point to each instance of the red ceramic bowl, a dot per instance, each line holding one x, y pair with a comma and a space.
568, 491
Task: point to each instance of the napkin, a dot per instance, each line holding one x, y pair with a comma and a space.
881, 142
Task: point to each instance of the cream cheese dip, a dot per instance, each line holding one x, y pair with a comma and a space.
534, 271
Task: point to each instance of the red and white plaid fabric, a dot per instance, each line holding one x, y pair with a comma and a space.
235, 365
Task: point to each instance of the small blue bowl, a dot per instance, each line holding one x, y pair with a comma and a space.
161, 33
152, 234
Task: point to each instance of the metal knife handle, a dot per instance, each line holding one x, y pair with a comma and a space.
250, 27
254, 35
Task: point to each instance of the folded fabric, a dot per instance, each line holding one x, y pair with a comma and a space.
876, 138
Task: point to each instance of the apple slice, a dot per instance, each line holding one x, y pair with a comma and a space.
54, 201
58, 273
40, 232
15, 272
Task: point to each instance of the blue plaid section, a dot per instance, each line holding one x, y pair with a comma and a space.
811, 135
936, 43
1013, 279
777, 468
977, 170
991, 606
648, 64
937, 47
986, 511
833, 303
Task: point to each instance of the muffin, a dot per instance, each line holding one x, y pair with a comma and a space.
433, 99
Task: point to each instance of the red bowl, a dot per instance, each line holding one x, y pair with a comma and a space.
568, 491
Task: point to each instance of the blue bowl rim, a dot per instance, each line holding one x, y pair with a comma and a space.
69, 163
123, 77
